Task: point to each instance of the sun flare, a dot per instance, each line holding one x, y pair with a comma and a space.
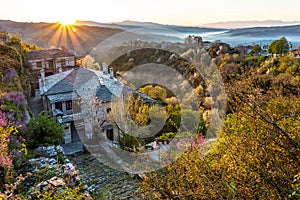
67, 22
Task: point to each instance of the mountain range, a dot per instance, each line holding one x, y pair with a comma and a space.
83, 36
251, 24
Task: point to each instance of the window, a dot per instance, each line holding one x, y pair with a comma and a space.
63, 62
108, 110
68, 105
51, 64
58, 105
39, 64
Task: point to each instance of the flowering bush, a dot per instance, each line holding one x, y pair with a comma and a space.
199, 141
10, 188
12, 147
17, 98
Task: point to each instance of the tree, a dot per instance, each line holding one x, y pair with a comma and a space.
130, 115
44, 130
156, 92
256, 157
89, 63
280, 46
256, 49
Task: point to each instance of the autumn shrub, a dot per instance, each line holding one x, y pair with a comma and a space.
295, 193
256, 157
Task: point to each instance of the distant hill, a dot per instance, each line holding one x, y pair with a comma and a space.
86, 35
135, 23
248, 24
82, 38
127, 25
277, 31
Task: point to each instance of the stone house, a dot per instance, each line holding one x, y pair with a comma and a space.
52, 61
81, 100
296, 52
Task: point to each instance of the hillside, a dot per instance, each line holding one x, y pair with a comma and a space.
85, 35
134, 24
79, 38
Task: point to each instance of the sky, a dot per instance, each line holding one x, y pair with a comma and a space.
178, 12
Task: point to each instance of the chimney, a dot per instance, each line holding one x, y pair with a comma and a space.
111, 72
104, 67
43, 76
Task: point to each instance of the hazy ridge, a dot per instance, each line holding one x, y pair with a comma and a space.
83, 36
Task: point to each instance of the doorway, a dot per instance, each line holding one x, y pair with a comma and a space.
110, 134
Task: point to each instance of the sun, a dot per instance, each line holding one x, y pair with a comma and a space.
67, 22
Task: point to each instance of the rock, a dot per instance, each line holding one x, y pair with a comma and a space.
49, 151
53, 154
66, 173
56, 182
50, 148
53, 182
51, 161
172, 57
59, 149
70, 166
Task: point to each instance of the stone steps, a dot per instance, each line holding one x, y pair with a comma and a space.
101, 181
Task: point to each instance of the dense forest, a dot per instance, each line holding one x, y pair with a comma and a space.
257, 154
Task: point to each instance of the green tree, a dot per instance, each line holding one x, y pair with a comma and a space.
280, 46
256, 49
130, 115
156, 92
44, 130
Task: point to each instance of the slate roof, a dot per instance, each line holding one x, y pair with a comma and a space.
63, 86
57, 112
69, 118
145, 97
62, 97
48, 54
64, 82
104, 95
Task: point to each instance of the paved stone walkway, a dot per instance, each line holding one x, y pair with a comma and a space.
35, 104
102, 182
72, 148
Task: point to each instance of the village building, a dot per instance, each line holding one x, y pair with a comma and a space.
296, 52
66, 94
52, 61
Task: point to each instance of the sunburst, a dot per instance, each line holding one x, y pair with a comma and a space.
68, 35
67, 22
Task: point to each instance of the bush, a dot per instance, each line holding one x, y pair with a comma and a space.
166, 136
129, 142
44, 131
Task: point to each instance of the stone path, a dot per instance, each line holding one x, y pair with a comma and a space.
103, 182
35, 104
72, 148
